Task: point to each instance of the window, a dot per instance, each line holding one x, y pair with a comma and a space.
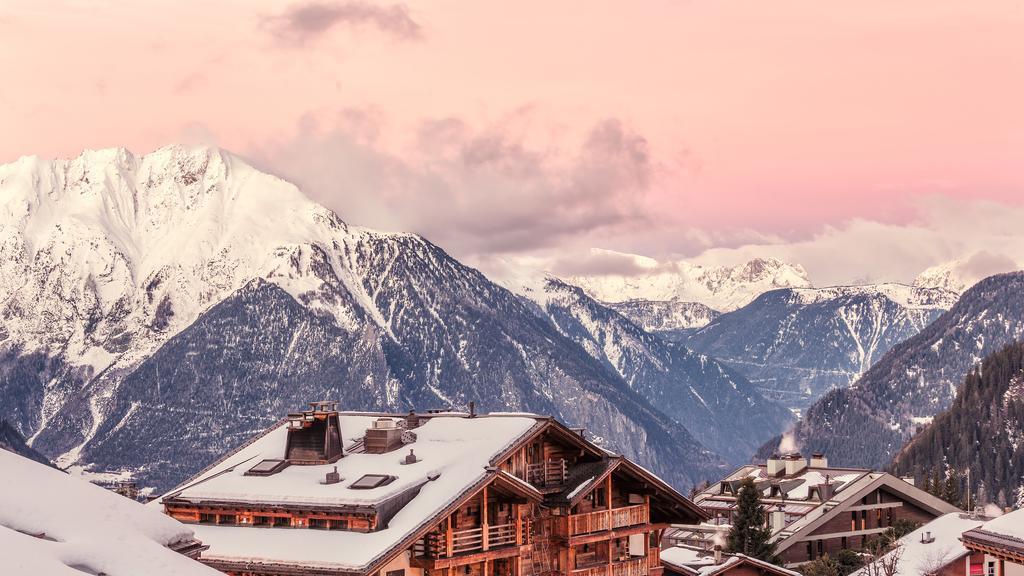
843, 543
810, 550
226, 519
371, 481
262, 520
821, 547
339, 525
318, 523
395, 573
863, 519
853, 521
888, 517
205, 518
282, 521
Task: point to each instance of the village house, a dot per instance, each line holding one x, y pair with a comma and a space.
328, 492
814, 509
997, 546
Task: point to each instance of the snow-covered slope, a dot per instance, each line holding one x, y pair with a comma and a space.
797, 343
717, 405
159, 308
52, 523
721, 288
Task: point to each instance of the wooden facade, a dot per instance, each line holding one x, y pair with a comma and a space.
552, 504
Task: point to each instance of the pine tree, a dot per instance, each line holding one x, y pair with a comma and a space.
951, 489
750, 534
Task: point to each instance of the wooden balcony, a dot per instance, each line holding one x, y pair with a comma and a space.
547, 473
468, 541
602, 520
631, 567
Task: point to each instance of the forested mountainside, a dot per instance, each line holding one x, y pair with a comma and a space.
673, 319
160, 309
867, 423
795, 344
983, 431
717, 405
12, 441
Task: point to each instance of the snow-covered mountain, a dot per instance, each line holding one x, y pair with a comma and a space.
795, 344
718, 405
671, 318
722, 288
158, 309
868, 422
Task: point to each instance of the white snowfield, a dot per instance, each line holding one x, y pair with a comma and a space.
55, 524
453, 449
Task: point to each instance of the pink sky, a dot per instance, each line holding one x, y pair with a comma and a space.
523, 128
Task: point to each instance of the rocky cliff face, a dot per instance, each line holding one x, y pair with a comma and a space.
868, 422
796, 344
160, 309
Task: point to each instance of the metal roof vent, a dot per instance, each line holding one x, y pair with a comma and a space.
410, 458
333, 477
384, 424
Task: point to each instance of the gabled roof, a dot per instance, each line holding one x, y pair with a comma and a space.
855, 491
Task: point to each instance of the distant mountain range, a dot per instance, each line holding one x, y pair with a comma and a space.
795, 344
12, 441
867, 423
721, 288
159, 309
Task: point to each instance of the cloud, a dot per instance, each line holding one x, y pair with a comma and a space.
307, 21
984, 235
479, 192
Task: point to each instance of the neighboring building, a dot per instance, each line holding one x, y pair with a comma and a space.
997, 546
692, 561
814, 509
328, 492
53, 523
934, 549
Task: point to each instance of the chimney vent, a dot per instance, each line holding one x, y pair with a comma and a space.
926, 538
411, 458
775, 465
818, 460
383, 437
333, 477
795, 463
718, 554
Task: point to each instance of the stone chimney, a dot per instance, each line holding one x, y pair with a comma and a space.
795, 463
775, 465
718, 554
777, 520
818, 460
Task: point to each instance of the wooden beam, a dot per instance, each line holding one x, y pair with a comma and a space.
449, 542
483, 521
519, 524
608, 491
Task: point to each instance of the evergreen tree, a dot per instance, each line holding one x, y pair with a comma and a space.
951, 490
750, 533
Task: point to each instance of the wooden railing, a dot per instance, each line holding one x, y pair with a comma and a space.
631, 567
547, 473
607, 519
467, 541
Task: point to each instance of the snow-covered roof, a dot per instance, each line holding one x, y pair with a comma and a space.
53, 523
1009, 525
449, 445
455, 450
696, 562
921, 557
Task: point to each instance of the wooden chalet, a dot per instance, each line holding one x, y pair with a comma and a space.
328, 492
695, 561
815, 509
